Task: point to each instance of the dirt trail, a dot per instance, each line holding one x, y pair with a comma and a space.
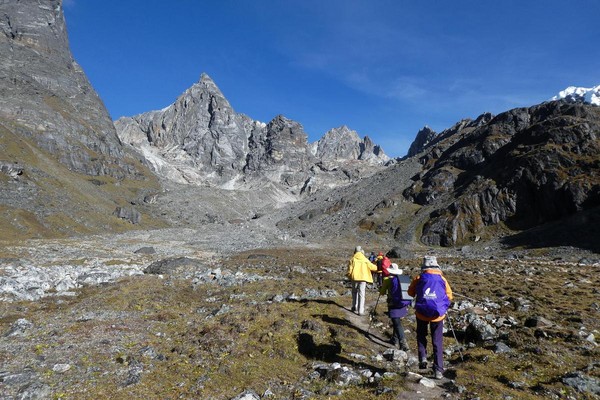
414, 388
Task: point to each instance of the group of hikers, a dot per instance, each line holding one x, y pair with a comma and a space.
431, 293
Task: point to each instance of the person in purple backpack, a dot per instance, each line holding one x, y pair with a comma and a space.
432, 295
398, 303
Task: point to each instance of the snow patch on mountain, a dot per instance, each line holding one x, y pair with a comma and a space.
587, 95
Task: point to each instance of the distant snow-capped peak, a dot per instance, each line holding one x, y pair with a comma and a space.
587, 95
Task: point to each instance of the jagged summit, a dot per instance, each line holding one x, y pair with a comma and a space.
343, 143
580, 94
207, 82
201, 139
422, 140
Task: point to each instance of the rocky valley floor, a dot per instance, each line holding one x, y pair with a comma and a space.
239, 311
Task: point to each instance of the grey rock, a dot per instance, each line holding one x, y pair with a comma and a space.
479, 331
345, 376
35, 391
582, 383
134, 374
61, 368
18, 378
145, 250
398, 252
247, 395
172, 266
128, 213
395, 355
501, 348
19, 328
94, 278
13, 170
428, 383
538, 322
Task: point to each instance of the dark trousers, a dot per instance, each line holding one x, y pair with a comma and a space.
437, 337
398, 334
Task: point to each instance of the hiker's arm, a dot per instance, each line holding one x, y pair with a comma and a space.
372, 266
412, 288
448, 289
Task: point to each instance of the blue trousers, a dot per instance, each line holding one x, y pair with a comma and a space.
437, 336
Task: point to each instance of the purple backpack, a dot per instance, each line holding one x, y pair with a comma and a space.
432, 300
398, 297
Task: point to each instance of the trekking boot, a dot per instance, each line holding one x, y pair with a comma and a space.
403, 345
422, 364
438, 374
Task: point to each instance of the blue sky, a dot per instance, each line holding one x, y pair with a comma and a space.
385, 68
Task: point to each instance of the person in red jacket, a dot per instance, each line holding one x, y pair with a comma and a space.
383, 264
432, 295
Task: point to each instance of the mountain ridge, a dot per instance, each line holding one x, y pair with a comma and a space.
200, 139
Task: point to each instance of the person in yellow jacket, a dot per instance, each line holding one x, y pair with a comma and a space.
359, 272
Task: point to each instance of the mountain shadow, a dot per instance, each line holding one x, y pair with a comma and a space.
581, 230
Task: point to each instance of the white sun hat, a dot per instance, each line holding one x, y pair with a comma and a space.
394, 270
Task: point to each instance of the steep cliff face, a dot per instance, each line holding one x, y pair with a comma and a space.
46, 96
55, 131
200, 139
523, 168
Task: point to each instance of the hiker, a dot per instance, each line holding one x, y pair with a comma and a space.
398, 303
433, 296
383, 263
374, 275
359, 272
372, 257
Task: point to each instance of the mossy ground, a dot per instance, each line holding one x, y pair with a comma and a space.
190, 346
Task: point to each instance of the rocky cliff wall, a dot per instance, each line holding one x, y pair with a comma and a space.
523, 168
45, 95
65, 170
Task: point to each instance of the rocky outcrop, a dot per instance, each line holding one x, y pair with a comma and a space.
343, 144
524, 167
201, 139
422, 140
279, 152
45, 95
63, 168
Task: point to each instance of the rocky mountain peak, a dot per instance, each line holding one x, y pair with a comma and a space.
201, 139
422, 140
343, 143
207, 84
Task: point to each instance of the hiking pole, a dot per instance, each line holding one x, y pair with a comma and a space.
454, 334
372, 314
468, 298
